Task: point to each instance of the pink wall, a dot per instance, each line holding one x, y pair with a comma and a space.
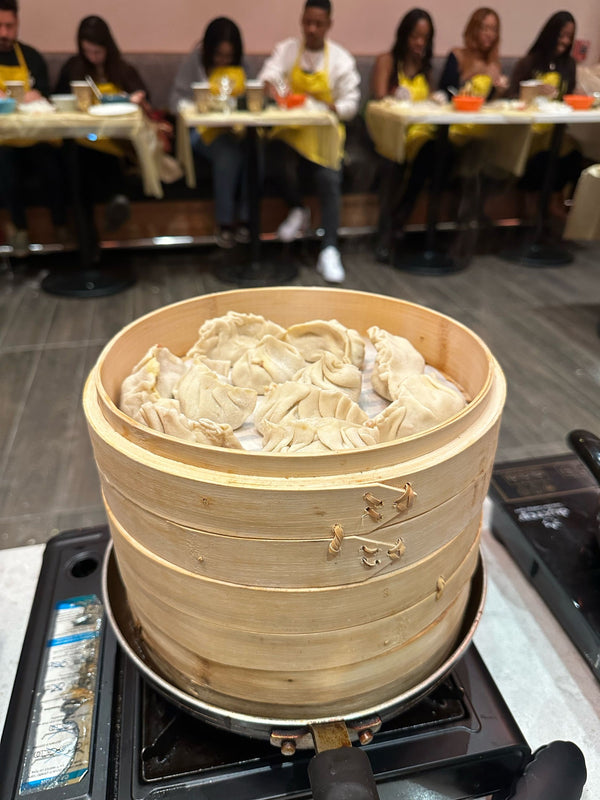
364, 26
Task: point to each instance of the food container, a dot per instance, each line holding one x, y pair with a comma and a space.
579, 102
297, 585
7, 105
64, 102
291, 100
529, 90
467, 102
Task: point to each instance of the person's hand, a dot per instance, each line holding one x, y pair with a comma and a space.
501, 82
137, 97
548, 91
32, 95
402, 93
440, 97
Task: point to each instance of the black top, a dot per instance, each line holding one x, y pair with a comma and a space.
75, 69
525, 70
36, 64
451, 77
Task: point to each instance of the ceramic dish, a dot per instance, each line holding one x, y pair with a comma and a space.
112, 109
7, 105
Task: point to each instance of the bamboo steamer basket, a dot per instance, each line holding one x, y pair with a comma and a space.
297, 585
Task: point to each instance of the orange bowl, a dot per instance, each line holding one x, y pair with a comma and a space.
580, 102
467, 102
291, 100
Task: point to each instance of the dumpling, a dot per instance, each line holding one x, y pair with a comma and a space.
271, 361
330, 372
423, 402
316, 435
396, 359
228, 337
166, 416
151, 378
315, 338
203, 395
290, 401
356, 344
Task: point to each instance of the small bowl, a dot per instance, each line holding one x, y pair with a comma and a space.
64, 102
7, 105
579, 102
115, 98
467, 102
292, 100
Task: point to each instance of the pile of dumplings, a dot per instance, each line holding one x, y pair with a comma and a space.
299, 389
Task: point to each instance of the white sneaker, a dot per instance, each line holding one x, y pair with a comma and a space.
330, 265
295, 223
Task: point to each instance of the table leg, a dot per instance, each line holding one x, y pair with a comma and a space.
537, 253
88, 279
432, 261
256, 270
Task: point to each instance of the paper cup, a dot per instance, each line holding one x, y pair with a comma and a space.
15, 89
201, 95
529, 90
255, 96
83, 94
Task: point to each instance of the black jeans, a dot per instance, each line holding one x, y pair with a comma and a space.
286, 175
17, 166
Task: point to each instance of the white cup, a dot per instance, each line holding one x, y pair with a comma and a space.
64, 102
201, 91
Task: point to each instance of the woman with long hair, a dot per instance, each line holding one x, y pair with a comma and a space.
549, 60
404, 72
475, 68
217, 57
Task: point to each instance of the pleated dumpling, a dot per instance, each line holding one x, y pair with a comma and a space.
270, 361
228, 337
166, 416
316, 435
395, 360
356, 344
203, 395
290, 401
154, 376
422, 403
330, 372
317, 337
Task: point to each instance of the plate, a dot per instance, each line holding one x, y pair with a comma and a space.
113, 109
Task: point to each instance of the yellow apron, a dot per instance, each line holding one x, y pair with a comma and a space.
459, 135
16, 73
308, 140
237, 76
419, 133
542, 132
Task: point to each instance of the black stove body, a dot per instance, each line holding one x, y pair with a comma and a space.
82, 723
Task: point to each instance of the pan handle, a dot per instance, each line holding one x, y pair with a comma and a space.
556, 772
338, 770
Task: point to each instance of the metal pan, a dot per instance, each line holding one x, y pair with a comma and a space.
330, 737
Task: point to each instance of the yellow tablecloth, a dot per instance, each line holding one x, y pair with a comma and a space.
188, 118
75, 125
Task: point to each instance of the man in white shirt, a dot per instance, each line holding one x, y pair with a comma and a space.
323, 70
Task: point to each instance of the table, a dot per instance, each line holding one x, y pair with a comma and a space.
256, 271
547, 685
88, 281
506, 147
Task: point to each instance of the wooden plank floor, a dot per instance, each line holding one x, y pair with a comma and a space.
539, 322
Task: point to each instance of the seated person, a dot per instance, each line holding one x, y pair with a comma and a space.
102, 160
319, 68
219, 55
20, 62
549, 60
404, 72
475, 68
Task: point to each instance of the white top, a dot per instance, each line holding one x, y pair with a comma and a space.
548, 687
344, 80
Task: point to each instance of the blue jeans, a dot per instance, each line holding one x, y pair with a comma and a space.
227, 156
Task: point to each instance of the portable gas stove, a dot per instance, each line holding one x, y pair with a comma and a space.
545, 513
82, 723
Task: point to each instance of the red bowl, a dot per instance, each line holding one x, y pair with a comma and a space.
291, 100
467, 102
580, 102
